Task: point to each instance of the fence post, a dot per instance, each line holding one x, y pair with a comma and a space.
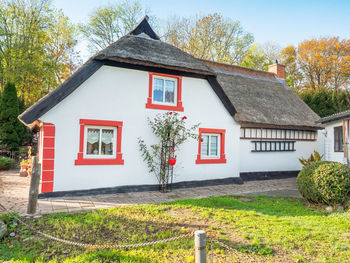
34, 187
199, 246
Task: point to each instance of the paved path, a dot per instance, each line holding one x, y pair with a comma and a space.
14, 194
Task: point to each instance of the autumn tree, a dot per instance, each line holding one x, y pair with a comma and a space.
319, 63
107, 24
36, 47
260, 56
210, 37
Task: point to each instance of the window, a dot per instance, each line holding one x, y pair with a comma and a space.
338, 139
100, 143
211, 148
273, 146
164, 92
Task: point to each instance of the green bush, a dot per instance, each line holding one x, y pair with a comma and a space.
325, 182
306, 184
332, 180
6, 163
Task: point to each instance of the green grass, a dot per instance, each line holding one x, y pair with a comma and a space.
265, 229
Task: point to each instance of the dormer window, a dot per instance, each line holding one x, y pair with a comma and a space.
164, 92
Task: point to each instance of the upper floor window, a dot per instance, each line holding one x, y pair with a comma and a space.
338, 139
164, 92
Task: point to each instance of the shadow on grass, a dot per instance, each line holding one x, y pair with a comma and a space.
268, 205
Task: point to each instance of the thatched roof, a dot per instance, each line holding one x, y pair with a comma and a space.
335, 117
261, 99
252, 97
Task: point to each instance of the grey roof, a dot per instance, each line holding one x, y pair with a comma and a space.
261, 99
335, 117
141, 50
252, 97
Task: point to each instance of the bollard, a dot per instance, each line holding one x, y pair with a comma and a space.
199, 246
34, 187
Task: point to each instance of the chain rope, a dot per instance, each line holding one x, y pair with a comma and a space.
87, 245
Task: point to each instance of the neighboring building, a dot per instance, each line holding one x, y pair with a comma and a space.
254, 124
336, 137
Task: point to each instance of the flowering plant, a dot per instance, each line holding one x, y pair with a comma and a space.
171, 130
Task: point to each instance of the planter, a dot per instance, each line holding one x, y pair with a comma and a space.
172, 161
23, 172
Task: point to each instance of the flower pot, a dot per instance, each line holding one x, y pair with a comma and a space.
23, 173
172, 161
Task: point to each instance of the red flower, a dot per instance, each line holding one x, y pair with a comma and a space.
170, 113
184, 117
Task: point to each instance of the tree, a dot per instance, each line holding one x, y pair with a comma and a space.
107, 24
9, 124
25, 134
319, 63
326, 102
210, 37
36, 47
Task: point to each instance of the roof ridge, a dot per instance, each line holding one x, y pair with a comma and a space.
236, 68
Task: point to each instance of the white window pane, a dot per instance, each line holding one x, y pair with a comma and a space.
213, 145
169, 91
93, 141
158, 88
107, 142
205, 145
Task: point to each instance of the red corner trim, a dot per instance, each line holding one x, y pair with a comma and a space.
48, 157
103, 161
222, 158
150, 105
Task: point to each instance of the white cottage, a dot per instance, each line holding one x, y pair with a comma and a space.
90, 124
336, 137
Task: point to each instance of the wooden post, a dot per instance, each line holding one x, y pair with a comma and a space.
199, 246
34, 187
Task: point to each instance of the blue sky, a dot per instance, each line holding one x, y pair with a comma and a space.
281, 22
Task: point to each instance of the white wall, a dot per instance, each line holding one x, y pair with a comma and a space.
273, 161
120, 95
330, 155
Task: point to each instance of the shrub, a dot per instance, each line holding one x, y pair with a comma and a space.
332, 181
325, 182
6, 163
306, 184
315, 157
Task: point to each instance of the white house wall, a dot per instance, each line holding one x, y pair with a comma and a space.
330, 154
120, 95
273, 161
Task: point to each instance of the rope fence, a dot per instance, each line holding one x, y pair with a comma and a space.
200, 242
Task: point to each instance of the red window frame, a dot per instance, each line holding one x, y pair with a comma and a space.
151, 105
222, 158
100, 161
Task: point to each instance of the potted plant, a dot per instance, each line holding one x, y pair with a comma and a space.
24, 168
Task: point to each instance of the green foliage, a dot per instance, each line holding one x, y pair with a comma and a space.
325, 182
332, 181
306, 184
326, 102
315, 157
24, 133
9, 124
36, 47
6, 163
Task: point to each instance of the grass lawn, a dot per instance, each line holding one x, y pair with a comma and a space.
259, 228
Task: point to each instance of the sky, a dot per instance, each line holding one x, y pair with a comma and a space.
281, 22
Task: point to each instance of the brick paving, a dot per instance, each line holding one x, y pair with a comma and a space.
14, 194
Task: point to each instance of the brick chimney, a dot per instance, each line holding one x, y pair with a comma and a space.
278, 70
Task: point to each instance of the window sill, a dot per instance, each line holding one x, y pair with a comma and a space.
95, 161
150, 105
204, 161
